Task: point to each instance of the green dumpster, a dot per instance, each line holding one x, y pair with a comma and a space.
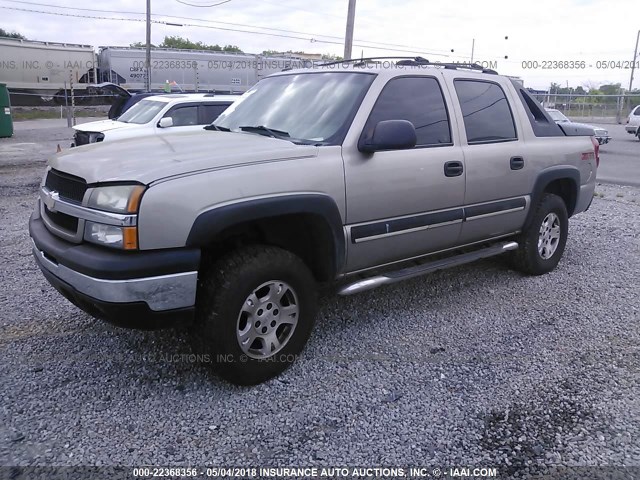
6, 124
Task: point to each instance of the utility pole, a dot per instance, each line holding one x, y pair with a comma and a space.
633, 63
473, 47
348, 38
148, 59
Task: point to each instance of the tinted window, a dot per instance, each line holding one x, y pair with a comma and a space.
486, 112
417, 99
211, 112
542, 122
183, 116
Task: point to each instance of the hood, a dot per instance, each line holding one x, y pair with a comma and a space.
154, 157
104, 126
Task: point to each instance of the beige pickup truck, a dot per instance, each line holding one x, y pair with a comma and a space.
357, 174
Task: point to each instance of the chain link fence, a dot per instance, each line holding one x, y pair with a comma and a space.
591, 108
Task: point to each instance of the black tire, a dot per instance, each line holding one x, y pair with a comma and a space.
224, 287
527, 258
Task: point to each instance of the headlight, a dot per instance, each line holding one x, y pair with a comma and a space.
117, 198
95, 137
125, 238
122, 199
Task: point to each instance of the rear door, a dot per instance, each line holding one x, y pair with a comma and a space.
498, 172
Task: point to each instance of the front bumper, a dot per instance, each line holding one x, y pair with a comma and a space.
632, 129
154, 289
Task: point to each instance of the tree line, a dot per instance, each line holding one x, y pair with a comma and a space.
186, 44
593, 92
6, 33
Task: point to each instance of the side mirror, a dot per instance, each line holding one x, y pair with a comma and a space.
390, 135
165, 122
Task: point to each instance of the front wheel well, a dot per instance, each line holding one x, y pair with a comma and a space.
306, 235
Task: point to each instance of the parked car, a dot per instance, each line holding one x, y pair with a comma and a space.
331, 175
633, 122
601, 134
156, 114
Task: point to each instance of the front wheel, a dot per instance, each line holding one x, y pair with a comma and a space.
255, 310
542, 244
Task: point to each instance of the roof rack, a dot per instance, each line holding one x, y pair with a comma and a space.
364, 60
467, 66
414, 61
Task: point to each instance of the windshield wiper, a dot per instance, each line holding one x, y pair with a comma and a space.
216, 128
262, 130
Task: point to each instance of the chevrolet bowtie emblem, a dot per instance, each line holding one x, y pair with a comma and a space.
50, 200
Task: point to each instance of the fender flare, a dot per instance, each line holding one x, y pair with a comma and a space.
544, 179
212, 222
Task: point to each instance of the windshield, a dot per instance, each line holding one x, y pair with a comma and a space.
142, 112
305, 108
557, 116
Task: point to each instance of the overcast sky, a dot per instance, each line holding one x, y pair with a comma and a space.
546, 30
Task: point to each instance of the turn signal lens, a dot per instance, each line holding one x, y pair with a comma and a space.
134, 199
130, 238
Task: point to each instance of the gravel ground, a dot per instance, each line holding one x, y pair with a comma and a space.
475, 366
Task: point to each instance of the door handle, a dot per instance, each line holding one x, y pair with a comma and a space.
517, 163
453, 169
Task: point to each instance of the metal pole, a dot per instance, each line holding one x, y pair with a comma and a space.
473, 47
95, 68
633, 63
73, 98
633, 67
66, 105
148, 59
348, 38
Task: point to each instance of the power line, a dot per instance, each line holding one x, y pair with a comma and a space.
370, 43
202, 6
308, 39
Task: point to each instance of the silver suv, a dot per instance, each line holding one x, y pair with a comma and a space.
349, 174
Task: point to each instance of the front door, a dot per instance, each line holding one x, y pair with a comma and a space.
405, 203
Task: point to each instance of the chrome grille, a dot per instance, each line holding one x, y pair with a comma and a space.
62, 220
67, 186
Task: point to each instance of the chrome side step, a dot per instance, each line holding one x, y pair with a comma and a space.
410, 272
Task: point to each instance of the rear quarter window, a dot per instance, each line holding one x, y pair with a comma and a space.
540, 120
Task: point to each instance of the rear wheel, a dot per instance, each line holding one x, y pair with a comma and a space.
542, 244
255, 312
